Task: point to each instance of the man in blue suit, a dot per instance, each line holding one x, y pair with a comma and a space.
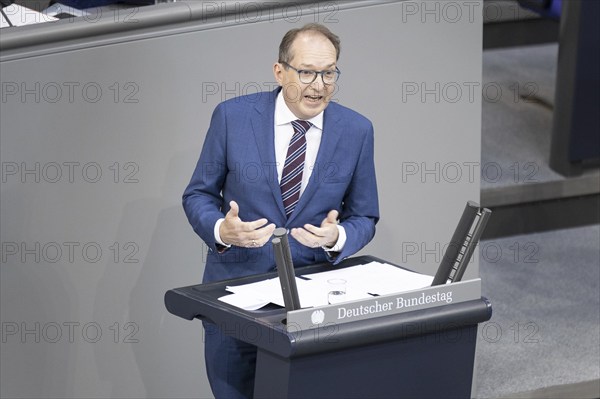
236, 196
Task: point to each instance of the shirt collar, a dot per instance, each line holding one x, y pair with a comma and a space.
284, 115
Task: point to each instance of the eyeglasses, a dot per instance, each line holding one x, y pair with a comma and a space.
307, 76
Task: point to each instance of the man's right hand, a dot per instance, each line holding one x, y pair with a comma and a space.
234, 231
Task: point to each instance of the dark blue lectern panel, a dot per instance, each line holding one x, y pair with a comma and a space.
425, 353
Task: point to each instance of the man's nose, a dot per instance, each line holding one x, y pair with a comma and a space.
318, 84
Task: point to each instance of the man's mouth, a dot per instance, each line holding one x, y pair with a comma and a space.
313, 97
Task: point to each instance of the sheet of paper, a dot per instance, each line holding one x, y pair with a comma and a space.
3, 22
20, 16
376, 278
269, 289
315, 293
244, 301
310, 292
362, 281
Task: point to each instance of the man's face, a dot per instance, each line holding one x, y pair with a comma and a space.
314, 52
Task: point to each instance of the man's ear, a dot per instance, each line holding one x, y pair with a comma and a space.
277, 72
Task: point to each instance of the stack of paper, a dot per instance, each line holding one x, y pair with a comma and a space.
362, 281
17, 15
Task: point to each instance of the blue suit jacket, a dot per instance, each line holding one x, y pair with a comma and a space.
237, 162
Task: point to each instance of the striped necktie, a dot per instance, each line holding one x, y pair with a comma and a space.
291, 177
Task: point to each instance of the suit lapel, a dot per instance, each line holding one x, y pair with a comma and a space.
329, 139
263, 122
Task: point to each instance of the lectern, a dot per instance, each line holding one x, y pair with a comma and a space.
405, 345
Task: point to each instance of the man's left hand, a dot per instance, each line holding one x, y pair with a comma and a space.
324, 236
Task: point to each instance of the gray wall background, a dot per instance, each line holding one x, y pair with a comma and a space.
99, 137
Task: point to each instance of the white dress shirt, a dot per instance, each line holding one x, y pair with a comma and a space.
283, 134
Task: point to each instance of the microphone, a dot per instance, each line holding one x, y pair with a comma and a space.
285, 269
